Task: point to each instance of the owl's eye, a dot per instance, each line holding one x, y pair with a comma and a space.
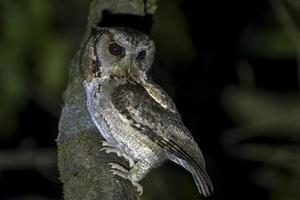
141, 55
116, 49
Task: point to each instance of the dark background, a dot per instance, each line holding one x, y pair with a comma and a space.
230, 66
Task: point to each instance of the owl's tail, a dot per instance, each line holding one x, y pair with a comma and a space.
191, 160
202, 181
200, 176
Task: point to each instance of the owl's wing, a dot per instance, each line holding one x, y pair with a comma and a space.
158, 95
163, 126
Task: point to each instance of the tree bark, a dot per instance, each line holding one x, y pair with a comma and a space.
83, 167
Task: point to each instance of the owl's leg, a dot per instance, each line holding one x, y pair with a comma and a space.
121, 171
135, 174
108, 148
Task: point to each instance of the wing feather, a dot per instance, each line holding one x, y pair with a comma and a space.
163, 127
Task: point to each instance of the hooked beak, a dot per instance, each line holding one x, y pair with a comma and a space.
128, 67
128, 70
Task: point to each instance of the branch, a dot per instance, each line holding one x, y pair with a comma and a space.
82, 166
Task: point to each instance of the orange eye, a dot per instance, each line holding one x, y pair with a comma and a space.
116, 50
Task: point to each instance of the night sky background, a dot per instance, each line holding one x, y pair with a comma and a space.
231, 67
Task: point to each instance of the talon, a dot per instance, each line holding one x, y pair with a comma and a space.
116, 166
139, 187
105, 144
119, 170
111, 149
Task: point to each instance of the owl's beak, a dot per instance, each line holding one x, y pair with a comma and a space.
130, 68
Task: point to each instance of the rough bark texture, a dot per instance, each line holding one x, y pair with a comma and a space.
83, 167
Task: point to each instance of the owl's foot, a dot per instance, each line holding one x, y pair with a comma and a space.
121, 171
108, 148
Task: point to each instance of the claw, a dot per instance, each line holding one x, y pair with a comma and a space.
110, 149
116, 166
106, 144
121, 171
139, 187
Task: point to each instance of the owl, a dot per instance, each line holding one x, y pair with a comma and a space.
135, 116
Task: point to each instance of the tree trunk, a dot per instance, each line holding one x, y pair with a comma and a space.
83, 167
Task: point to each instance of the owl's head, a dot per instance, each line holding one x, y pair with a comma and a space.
117, 53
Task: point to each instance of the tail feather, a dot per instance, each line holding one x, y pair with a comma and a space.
202, 180
193, 164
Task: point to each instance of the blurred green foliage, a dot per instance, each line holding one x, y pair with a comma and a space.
262, 115
270, 36
171, 33
267, 42
38, 40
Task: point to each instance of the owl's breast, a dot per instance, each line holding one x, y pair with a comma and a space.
113, 126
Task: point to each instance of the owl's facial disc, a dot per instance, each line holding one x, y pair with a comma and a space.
117, 53
124, 66
127, 60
